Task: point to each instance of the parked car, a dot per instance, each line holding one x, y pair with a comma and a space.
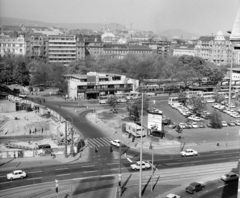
229, 177
136, 166
182, 125
172, 126
201, 125
224, 123
194, 125
231, 123
189, 152
195, 187
17, 174
237, 122
188, 126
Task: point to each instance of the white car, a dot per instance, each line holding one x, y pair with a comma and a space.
182, 125
224, 124
189, 152
194, 125
229, 177
17, 174
116, 143
237, 122
172, 196
136, 166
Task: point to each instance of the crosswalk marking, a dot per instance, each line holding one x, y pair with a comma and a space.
99, 142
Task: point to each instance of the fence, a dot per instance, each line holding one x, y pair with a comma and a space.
34, 152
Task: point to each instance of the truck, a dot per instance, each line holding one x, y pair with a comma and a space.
133, 129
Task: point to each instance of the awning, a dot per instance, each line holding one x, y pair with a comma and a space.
90, 92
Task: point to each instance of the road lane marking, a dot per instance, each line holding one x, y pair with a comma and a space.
5, 182
3, 176
221, 186
89, 171
114, 169
35, 178
129, 160
89, 166
61, 168
112, 163
63, 175
35, 172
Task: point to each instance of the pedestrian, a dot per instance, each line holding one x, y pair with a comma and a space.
35, 130
96, 150
30, 132
42, 130
218, 144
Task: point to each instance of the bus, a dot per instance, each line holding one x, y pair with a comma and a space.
121, 98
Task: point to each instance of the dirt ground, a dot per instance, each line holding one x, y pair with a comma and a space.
22, 123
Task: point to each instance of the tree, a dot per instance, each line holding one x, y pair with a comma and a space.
21, 74
215, 120
179, 131
5, 72
197, 104
42, 75
135, 108
216, 76
112, 101
182, 97
218, 98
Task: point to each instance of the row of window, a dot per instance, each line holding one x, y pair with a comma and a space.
11, 45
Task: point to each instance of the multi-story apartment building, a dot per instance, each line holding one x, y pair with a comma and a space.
184, 50
36, 45
88, 45
13, 45
93, 84
121, 50
61, 49
159, 46
216, 49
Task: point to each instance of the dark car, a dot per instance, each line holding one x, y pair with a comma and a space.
44, 146
188, 126
195, 187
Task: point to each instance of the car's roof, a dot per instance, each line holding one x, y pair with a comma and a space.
231, 173
17, 170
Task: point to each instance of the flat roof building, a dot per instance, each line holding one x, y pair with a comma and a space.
93, 84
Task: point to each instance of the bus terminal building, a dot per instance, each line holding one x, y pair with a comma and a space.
93, 84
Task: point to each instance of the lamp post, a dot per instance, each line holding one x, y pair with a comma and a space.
140, 172
230, 82
72, 131
120, 158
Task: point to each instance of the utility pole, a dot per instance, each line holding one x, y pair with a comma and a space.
140, 172
72, 133
65, 138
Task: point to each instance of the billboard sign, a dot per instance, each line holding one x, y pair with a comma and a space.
155, 121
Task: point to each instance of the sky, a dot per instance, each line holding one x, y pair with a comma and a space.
202, 17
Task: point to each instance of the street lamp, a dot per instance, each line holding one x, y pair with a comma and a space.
151, 147
120, 158
72, 131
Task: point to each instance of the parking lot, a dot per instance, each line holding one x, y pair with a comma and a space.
201, 135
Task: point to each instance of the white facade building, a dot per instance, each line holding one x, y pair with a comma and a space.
13, 45
93, 84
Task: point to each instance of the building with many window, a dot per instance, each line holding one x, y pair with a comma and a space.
13, 45
61, 49
216, 49
36, 45
184, 50
121, 50
88, 45
93, 84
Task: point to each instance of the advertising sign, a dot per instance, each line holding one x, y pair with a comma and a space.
155, 121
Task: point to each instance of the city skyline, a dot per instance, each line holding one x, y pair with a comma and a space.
202, 17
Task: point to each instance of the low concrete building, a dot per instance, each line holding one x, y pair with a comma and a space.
93, 84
